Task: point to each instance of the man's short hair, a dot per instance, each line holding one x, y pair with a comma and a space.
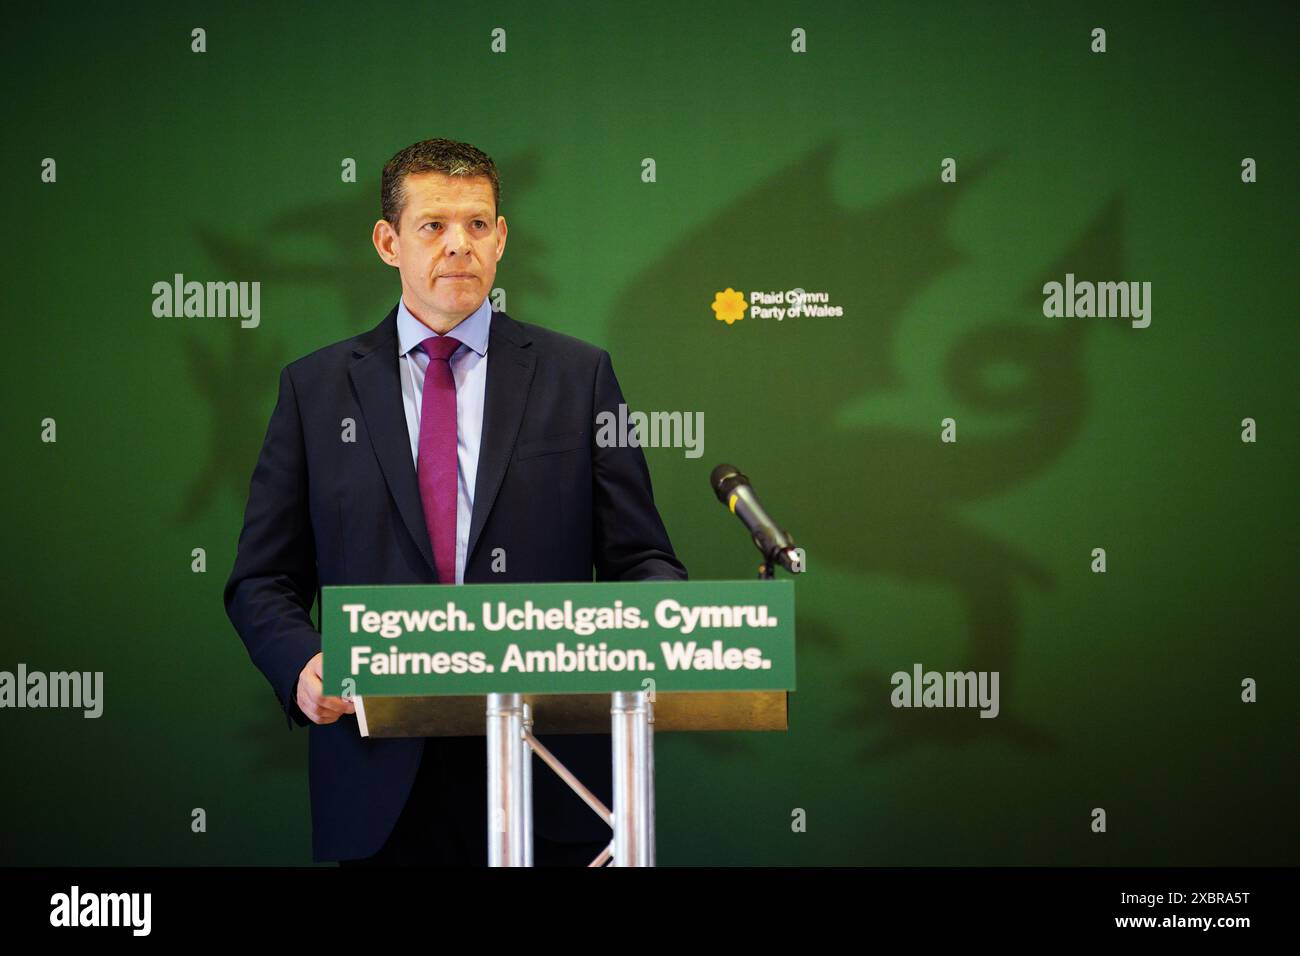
444, 156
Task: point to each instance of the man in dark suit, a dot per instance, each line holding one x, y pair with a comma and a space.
447, 444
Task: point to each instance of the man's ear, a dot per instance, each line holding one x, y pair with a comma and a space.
501, 231
385, 239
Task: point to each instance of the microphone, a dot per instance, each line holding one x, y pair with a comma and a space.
734, 491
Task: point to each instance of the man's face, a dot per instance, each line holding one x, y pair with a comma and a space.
448, 247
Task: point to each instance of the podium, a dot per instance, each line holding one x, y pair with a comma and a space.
627, 658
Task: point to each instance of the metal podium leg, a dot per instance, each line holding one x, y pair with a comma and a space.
510, 805
526, 755
632, 730
650, 771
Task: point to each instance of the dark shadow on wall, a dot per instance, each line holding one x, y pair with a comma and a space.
230, 382
877, 498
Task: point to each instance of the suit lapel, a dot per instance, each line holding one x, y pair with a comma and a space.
509, 375
375, 376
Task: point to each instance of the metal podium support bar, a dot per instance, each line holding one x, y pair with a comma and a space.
510, 805
510, 745
632, 728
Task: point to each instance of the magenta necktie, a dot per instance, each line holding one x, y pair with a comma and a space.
437, 455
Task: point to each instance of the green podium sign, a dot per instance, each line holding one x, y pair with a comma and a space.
568, 638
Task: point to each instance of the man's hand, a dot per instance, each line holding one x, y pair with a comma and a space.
313, 702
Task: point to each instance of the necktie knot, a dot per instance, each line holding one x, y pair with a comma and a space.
440, 346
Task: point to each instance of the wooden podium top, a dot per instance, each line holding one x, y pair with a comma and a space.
573, 713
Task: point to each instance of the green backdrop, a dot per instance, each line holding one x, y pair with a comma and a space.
773, 169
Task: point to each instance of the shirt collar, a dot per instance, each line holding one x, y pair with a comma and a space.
473, 331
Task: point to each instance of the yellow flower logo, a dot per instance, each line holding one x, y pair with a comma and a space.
729, 306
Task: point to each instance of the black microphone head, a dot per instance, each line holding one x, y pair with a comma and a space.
718, 474
724, 478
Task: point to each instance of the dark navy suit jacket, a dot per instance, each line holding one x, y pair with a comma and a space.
322, 511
